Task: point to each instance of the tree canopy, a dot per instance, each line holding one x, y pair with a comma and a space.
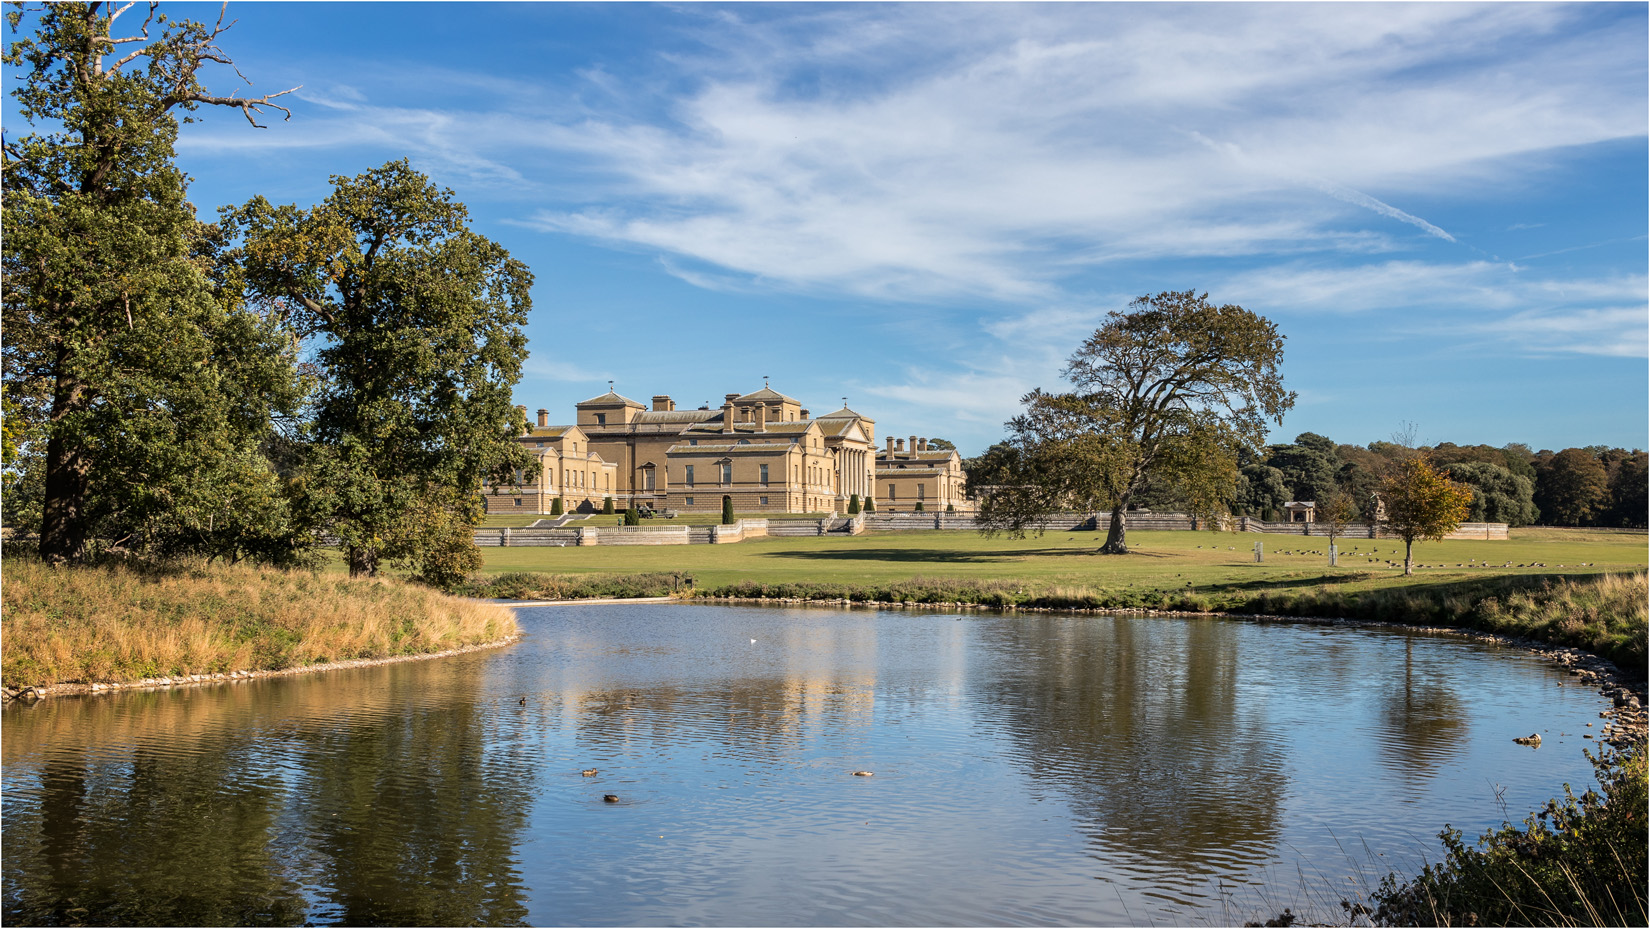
417, 322
137, 391
1168, 392
1422, 503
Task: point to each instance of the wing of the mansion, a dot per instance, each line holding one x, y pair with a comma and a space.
762, 450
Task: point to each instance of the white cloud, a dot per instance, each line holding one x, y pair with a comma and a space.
989, 152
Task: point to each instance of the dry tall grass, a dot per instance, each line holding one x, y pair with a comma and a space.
113, 624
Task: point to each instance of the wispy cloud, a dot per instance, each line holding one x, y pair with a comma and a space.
989, 153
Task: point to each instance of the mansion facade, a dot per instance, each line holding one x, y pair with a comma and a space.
762, 450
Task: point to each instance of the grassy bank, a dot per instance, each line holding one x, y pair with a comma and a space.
1560, 586
1604, 614
113, 624
526, 585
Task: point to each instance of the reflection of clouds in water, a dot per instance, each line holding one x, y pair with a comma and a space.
1138, 725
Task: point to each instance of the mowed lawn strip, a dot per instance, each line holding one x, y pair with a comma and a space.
1207, 561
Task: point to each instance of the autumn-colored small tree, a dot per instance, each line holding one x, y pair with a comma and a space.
1421, 503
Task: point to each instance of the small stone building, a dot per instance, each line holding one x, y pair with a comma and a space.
909, 472
1300, 511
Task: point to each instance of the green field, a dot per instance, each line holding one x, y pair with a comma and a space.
1164, 560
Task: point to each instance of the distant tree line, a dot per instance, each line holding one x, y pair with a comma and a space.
1592, 486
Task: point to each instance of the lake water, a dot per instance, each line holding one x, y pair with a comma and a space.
1027, 769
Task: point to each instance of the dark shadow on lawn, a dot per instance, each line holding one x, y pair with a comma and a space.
1323, 580
946, 556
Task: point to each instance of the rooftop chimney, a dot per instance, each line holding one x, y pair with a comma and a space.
890, 446
663, 404
922, 445
899, 445
804, 414
727, 412
913, 445
544, 418
761, 417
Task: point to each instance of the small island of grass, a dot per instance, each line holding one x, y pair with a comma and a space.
122, 625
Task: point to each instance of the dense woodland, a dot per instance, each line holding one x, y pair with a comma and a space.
1591, 486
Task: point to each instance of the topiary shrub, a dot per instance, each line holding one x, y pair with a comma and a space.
632, 517
870, 504
919, 507
607, 506
951, 508
555, 507
853, 504
727, 511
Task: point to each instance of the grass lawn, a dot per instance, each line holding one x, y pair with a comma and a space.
1164, 560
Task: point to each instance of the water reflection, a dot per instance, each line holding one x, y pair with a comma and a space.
218, 807
1140, 727
1028, 770
1421, 718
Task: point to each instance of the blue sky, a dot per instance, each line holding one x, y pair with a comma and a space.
926, 207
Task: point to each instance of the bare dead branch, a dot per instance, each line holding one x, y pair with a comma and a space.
250, 106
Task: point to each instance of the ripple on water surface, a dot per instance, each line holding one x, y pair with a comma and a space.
1024, 770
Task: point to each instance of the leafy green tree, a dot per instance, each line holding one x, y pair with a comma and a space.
1421, 503
1173, 388
1628, 485
1308, 466
941, 445
1261, 491
148, 389
1498, 495
1571, 488
417, 322
994, 467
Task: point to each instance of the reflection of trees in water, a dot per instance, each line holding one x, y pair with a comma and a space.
415, 820
155, 835
235, 799
766, 717
1422, 720
1138, 724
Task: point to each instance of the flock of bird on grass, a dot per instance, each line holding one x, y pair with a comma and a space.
1370, 558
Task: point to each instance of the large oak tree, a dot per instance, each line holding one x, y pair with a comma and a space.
136, 392
415, 326
1164, 394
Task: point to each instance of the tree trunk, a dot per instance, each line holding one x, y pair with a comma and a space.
1409, 562
63, 529
1116, 543
362, 561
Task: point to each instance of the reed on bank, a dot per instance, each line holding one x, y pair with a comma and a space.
1579, 861
115, 624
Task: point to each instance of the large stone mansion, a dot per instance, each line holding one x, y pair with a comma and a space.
762, 450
